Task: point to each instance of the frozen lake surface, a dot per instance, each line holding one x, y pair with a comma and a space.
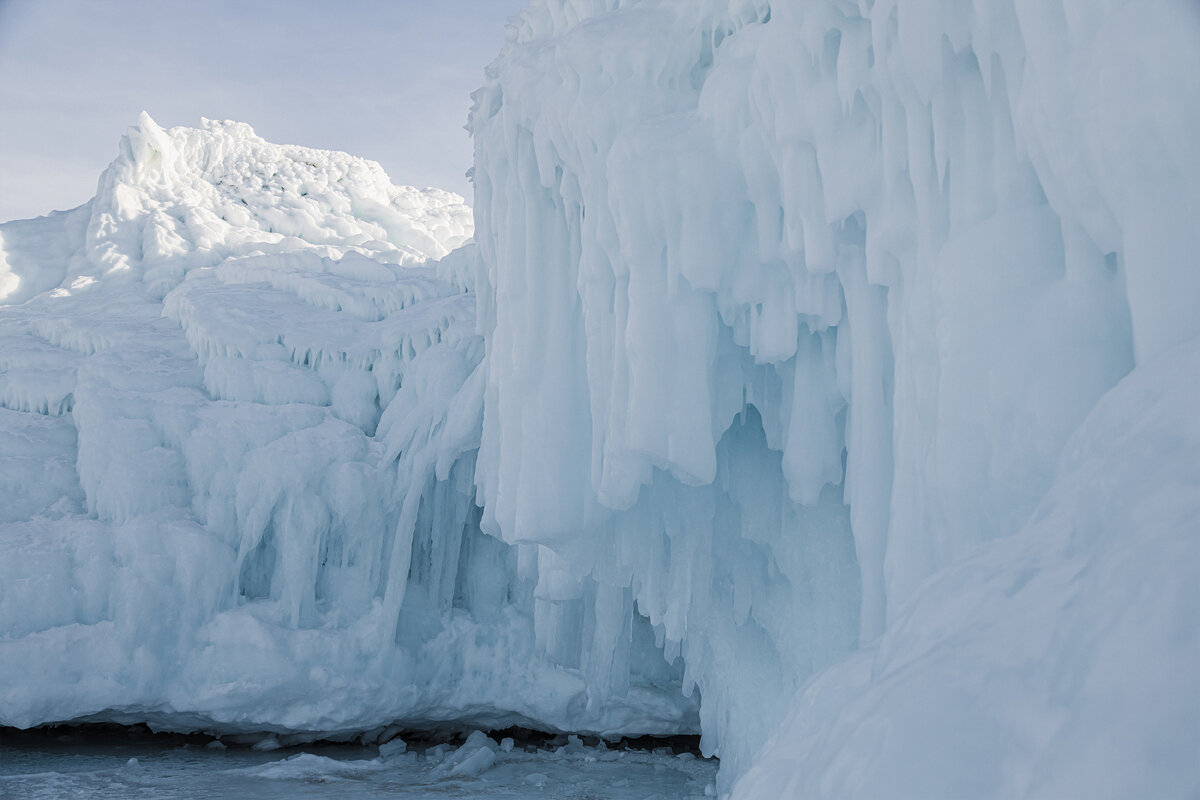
44, 767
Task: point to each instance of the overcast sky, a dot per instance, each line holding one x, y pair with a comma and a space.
385, 80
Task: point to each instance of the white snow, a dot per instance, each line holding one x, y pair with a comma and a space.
836, 359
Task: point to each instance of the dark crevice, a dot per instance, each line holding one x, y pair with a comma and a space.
108, 734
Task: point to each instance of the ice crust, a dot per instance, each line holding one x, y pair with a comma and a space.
835, 359
237, 431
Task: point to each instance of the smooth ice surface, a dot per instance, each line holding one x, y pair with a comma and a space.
87, 772
239, 402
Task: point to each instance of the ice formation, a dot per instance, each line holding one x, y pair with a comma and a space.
837, 359
789, 306
240, 401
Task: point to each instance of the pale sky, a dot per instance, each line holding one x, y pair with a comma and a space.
385, 80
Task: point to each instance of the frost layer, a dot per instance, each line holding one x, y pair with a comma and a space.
239, 402
790, 305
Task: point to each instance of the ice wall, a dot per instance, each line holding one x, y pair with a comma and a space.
240, 397
790, 305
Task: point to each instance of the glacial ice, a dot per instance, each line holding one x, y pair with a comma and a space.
836, 360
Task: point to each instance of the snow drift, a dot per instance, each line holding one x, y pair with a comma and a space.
836, 359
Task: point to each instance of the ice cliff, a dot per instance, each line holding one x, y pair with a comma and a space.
835, 359
790, 306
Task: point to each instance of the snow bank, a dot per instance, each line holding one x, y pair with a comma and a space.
237, 429
789, 306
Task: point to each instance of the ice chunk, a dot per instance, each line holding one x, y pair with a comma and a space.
395, 747
476, 755
309, 766
476, 763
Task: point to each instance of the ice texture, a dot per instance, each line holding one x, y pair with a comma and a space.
827, 367
240, 395
790, 306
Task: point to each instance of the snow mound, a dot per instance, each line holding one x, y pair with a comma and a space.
239, 401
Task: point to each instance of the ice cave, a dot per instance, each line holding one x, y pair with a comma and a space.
816, 378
